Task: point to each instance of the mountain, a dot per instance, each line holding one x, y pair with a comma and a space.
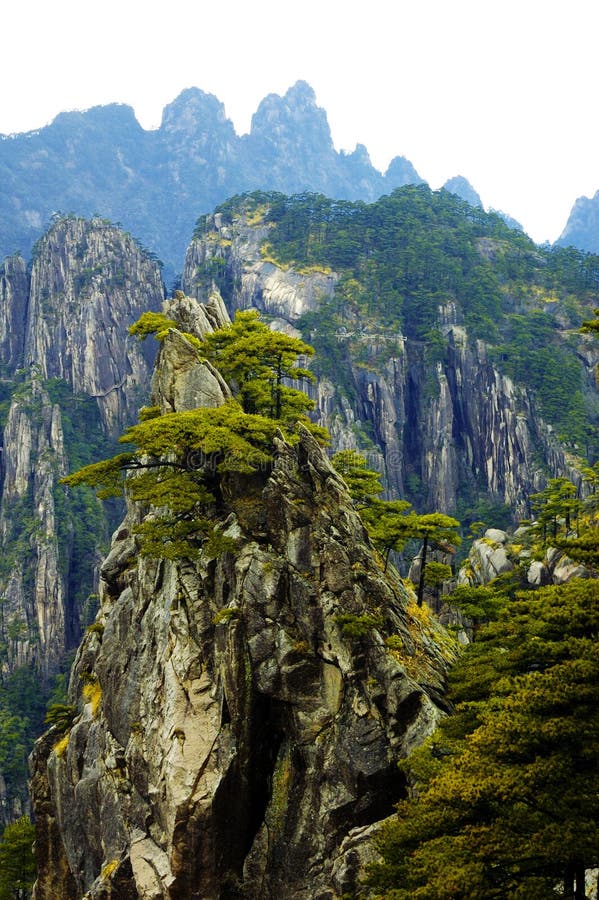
582, 227
237, 719
70, 381
157, 183
448, 353
462, 188
445, 340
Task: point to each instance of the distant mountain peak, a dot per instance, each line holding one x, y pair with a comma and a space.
582, 227
295, 114
193, 110
461, 187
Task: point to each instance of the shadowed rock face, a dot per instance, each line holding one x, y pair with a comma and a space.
236, 740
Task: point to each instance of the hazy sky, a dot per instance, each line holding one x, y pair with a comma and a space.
503, 93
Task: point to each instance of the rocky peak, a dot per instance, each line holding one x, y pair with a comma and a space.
462, 188
89, 282
194, 114
74, 374
293, 117
401, 171
239, 718
582, 227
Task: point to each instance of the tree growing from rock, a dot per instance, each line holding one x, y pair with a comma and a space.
392, 523
178, 462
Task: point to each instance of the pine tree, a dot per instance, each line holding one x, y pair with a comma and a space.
17, 863
180, 462
506, 803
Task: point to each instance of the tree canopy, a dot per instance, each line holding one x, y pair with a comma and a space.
176, 462
506, 804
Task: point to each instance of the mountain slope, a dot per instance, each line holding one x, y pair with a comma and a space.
447, 343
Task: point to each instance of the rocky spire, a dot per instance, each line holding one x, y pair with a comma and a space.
239, 718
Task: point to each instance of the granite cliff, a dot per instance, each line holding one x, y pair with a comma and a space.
439, 429
71, 381
238, 718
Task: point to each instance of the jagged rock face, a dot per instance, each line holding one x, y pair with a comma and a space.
233, 740
89, 282
68, 321
258, 283
14, 290
33, 619
182, 381
448, 428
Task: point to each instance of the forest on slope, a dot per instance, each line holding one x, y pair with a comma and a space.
414, 262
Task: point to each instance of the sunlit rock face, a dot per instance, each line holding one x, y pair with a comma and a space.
233, 738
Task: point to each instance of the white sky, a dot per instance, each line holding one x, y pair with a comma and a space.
503, 92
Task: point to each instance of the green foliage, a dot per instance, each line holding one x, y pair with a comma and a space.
556, 507
180, 461
257, 362
155, 323
364, 484
436, 573
533, 353
225, 615
357, 627
176, 458
479, 604
22, 709
61, 715
17, 863
506, 801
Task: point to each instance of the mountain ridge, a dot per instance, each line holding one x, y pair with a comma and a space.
157, 182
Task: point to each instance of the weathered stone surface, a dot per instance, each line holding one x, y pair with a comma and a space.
67, 321
240, 736
32, 584
538, 574
14, 289
89, 282
487, 559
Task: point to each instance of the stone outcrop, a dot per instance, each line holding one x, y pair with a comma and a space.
436, 430
498, 553
14, 291
89, 282
239, 718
